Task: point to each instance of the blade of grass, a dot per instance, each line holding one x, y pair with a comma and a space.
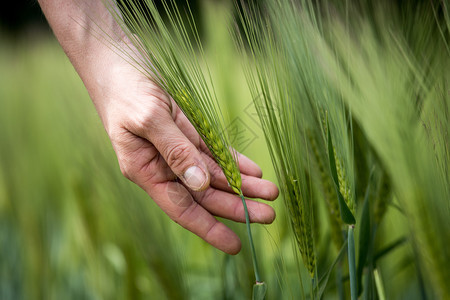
379, 285
323, 281
365, 235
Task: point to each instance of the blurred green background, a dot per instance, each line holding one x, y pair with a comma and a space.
72, 227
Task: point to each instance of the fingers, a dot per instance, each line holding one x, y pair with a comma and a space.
176, 201
141, 163
164, 146
248, 166
180, 154
229, 206
145, 167
252, 187
138, 159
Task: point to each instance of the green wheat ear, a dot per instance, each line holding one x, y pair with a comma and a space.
344, 186
277, 98
212, 139
301, 224
329, 194
224, 158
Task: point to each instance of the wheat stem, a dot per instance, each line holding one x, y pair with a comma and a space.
379, 285
351, 262
250, 239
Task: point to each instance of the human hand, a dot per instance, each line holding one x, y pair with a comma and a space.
156, 146
159, 150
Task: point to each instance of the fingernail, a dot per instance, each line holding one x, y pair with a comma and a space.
194, 177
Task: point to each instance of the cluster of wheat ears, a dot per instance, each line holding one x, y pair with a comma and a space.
353, 101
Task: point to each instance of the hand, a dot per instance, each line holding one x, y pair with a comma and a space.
159, 149
156, 146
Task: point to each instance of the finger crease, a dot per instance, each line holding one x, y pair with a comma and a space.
188, 210
210, 229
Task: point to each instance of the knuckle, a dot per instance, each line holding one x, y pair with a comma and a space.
144, 119
210, 230
125, 162
177, 156
126, 170
147, 118
185, 215
239, 211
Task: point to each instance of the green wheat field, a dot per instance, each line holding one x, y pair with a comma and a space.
347, 122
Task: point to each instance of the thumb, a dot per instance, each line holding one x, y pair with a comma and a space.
183, 158
186, 162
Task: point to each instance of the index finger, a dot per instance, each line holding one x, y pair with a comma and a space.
176, 201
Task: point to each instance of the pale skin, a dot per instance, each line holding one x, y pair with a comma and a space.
156, 146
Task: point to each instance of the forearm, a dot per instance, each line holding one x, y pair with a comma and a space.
76, 24
84, 28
